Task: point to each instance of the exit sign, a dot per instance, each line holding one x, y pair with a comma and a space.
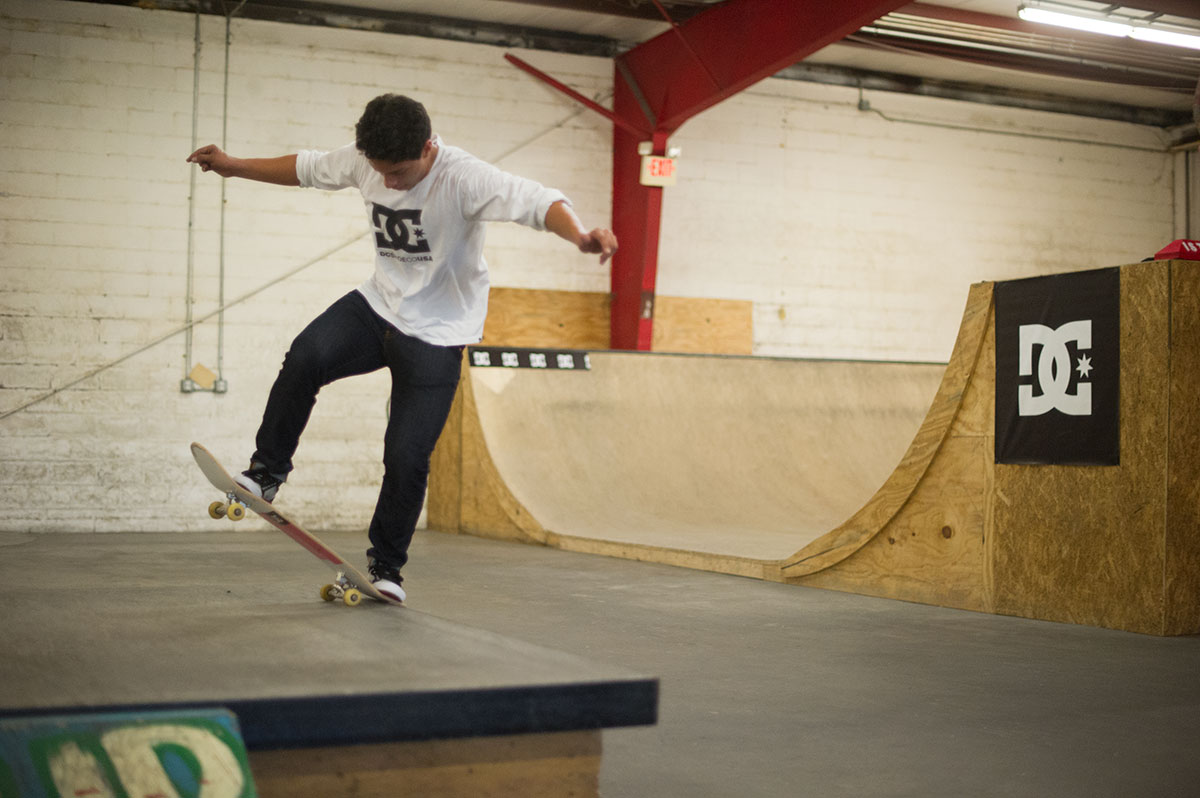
658, 170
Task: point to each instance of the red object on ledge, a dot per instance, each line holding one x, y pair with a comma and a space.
1179, 249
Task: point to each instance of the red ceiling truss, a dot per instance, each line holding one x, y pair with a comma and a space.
723, 48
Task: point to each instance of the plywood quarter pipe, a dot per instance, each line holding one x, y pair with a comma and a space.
775, 469
671, 464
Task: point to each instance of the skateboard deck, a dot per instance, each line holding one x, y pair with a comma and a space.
350, 585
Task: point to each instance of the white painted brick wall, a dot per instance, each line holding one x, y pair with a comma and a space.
854, 236
856, 233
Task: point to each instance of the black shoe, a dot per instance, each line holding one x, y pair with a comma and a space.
386, 579
259, 481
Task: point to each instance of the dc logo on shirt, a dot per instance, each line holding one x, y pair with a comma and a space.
399, 230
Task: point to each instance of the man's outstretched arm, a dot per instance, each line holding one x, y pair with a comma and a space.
281, 170
562, 221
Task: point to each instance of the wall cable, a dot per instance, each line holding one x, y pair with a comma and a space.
865, 105
185, 328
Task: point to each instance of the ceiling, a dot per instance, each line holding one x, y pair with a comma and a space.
967, 49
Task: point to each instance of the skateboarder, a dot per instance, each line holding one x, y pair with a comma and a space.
427, 202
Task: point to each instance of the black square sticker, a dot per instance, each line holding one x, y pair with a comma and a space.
1058, 347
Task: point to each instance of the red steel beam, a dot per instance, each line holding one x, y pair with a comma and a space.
636, 130
637, 212
741, 42
675, 76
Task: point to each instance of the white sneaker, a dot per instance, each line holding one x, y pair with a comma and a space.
386, 580
259, 482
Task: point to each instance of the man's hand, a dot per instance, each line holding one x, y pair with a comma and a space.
280, 171
562, 221
599, 240
212, 159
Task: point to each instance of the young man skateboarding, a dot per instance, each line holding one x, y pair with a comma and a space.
428, 203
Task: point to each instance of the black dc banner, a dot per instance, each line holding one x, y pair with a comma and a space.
1058, 347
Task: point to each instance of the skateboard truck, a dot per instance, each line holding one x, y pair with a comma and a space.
342, 588
231, 508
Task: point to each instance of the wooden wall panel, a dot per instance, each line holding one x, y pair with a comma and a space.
580, 320
529, 318
519, 766
705, 326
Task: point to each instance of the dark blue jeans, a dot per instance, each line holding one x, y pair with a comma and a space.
349, 339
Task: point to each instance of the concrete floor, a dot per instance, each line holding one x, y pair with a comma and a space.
774, 690
766, 689
231, 619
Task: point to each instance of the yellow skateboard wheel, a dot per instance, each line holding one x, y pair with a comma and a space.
328, 593
216, 510
352, 598
236, 512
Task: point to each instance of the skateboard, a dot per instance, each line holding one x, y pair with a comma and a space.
351, 584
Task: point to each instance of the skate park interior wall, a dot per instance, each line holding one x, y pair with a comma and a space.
809, 226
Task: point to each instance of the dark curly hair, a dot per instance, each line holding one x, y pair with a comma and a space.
393, 128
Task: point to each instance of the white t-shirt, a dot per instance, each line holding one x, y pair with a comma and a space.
430, 279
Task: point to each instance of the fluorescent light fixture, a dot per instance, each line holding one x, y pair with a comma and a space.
1088, 24
1160, 36
1108, 27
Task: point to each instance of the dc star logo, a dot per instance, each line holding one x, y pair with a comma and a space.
399, 230
1058, 366
1055, 366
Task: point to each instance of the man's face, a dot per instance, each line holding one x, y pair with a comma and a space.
403, 175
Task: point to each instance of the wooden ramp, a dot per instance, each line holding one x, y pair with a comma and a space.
847, 476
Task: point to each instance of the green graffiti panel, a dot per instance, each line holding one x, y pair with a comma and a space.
185, 754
